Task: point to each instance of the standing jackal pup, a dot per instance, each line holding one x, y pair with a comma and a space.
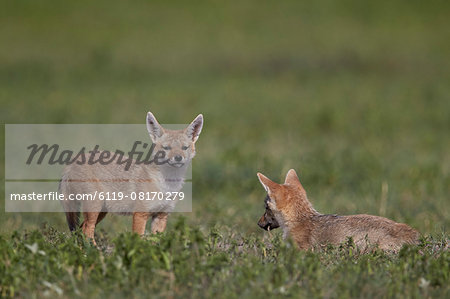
287, 206
178, 149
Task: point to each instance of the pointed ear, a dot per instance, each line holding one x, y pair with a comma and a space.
195, 128
292, 179
266, 183
153, 127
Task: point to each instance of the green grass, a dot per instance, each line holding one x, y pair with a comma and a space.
354, 96
221, 262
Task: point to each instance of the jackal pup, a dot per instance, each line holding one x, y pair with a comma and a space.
287, 206
178, 147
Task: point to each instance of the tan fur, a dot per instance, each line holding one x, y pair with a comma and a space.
310, 229
112, 177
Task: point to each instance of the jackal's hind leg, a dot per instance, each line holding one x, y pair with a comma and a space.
88, 226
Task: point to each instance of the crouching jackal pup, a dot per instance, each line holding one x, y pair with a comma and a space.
288, 207
140, 178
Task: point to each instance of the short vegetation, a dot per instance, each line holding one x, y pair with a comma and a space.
353, 95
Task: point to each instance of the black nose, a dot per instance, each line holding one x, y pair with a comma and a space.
264, 226
178, 158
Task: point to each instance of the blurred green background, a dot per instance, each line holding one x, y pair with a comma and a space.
353, 95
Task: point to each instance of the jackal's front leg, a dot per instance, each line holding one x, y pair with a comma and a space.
159, 222
139, 222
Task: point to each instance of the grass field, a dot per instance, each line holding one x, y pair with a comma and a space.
354, 96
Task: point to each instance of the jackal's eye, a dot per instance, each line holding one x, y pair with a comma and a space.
166, 148
184, 147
